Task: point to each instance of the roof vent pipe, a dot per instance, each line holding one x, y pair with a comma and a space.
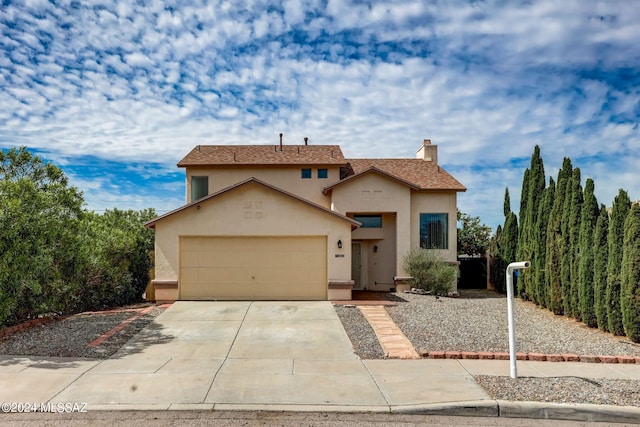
280, 141
306, 140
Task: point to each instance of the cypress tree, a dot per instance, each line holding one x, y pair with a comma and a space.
497, 265
540, 238
506, 205
619, 211
600, 260
565, 249
588, 220
577, 200
522, 214
509, 234
555, 241
630, 275
528, 245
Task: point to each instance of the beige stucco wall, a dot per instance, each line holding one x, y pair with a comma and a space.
425, 202
374, 193
252, 210
287, 178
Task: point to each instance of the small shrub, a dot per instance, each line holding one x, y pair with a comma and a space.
429, 272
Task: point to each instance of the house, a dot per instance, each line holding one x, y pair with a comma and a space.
300, 222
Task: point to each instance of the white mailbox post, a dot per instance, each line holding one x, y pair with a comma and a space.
512, 328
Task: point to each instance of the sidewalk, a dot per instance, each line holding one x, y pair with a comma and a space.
287, 357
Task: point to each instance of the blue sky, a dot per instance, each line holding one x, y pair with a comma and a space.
116, 92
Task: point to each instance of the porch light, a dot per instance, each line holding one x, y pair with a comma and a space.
339, 244
375, 248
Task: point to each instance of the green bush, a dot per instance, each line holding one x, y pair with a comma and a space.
429, 272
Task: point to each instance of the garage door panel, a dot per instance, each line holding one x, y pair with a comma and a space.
253, 268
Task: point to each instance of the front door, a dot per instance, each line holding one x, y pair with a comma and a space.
356, 265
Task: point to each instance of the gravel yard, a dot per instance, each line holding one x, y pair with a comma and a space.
70, 337
477, 321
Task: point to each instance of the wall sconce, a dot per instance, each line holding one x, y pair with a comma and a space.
375, 248
339, 244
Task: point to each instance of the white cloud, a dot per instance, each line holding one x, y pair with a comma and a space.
133, 83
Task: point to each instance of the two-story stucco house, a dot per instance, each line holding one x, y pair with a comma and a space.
300, 222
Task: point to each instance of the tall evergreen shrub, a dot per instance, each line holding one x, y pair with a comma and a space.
630, 275
600, 260
555, 241
575, 213
540, 257
589, 217
619, 211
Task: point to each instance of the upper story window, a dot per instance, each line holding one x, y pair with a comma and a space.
323, 173
369, 221
306, 173
434, 230
199, 187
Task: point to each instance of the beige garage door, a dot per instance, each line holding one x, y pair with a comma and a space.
253, 268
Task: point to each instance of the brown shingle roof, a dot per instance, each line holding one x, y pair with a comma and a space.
417, 173
218, 155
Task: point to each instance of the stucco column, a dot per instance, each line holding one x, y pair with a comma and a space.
403, 239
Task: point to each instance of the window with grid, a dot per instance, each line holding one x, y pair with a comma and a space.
434, 231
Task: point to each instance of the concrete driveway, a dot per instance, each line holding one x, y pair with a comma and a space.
243, 355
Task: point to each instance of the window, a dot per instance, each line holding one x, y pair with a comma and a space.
199, 187
306, 173
434, 231
323, 173
369, 221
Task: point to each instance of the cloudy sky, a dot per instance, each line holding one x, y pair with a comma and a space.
117, 91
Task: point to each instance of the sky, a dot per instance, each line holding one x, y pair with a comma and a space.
116, 92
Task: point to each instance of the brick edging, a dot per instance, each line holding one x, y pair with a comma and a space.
40, 321
538, 357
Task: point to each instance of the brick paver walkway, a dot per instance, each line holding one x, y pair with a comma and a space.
394, 343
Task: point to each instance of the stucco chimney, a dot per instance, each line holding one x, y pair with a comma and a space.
428, 152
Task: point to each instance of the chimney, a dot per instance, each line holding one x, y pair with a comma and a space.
280, 141
428, 152
306, 140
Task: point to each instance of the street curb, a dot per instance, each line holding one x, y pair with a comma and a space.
536, 357
569, 412
473, 408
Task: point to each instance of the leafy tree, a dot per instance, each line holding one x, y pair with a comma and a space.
473, 237
630, 275
117, 270
38, 220
600, 260
588, 220
57, 257
619, 211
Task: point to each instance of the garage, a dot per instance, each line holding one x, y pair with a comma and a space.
253, 268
